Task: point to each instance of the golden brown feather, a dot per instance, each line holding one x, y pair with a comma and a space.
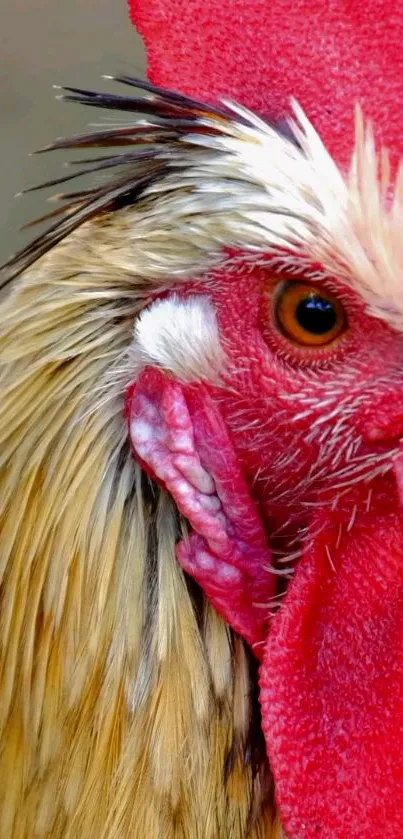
125, 703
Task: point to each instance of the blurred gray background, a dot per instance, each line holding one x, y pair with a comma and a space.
42, 43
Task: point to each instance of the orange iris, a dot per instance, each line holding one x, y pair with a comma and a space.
308, 315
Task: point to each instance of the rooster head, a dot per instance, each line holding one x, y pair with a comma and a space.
238, 282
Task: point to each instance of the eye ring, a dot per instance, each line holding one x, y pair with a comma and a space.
307, 315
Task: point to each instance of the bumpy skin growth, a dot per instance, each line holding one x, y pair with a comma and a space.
174, 431
329, 56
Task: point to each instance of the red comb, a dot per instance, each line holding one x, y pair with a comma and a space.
328, 54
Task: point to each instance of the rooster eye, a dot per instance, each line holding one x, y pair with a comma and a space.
307, 315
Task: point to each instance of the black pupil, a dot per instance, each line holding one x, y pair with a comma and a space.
316, 314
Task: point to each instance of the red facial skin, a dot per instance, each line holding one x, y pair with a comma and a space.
300, 444
304, 421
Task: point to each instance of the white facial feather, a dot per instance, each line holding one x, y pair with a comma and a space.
181, 336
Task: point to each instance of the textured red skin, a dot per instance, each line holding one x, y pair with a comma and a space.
328, 55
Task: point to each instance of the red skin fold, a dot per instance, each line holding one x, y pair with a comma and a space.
332, 681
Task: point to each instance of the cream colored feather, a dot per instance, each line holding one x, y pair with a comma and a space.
124, 706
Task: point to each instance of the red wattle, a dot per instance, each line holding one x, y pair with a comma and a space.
332, 681
261, 52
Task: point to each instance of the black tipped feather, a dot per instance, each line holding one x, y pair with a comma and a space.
172, 96
170, 118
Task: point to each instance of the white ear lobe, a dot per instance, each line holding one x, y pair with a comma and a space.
180, 336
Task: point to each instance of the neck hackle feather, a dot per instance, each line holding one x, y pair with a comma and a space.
126, 703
